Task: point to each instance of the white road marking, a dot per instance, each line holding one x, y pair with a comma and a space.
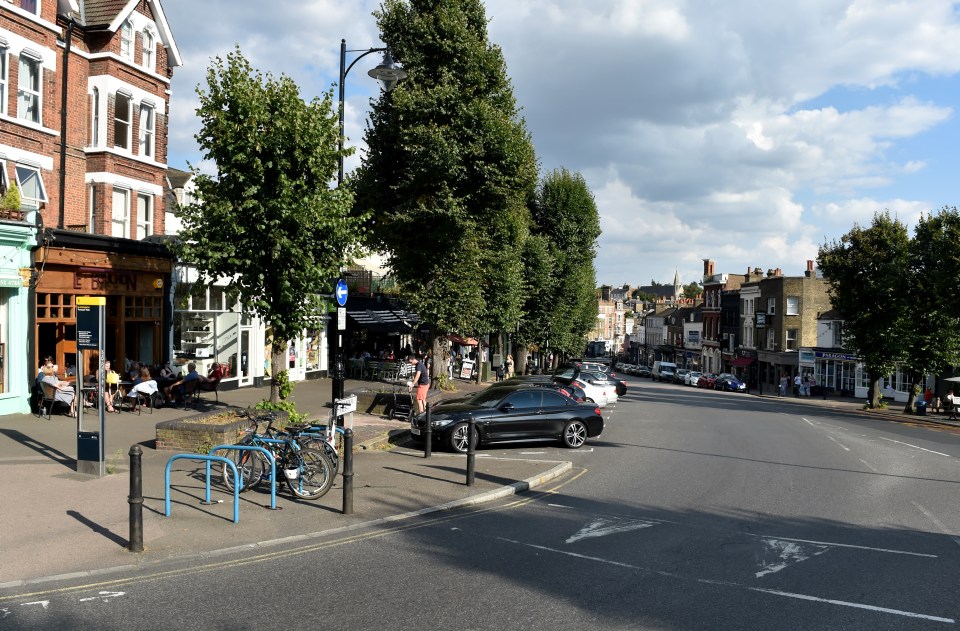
43, 603
559, 506
809, 422
104, 596
842, 446
914, 446
607, 526
5, 612
787, 553
936, 522
532, 453
771, 592
845, 545
868, 465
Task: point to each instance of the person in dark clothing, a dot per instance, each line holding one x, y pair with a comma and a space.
420, 381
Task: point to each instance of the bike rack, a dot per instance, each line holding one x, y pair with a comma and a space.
208, 460
273, 467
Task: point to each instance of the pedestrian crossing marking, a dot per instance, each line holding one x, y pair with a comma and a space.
608, 526
785, 553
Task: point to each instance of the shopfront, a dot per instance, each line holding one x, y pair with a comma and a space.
133, 276
16, 373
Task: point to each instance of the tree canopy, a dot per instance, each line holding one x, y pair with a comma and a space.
268, 220
449, 170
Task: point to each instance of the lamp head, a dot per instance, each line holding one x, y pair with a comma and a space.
388, 73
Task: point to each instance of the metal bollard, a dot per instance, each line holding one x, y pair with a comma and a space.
348, 472
428, 435
135, 499
471, 450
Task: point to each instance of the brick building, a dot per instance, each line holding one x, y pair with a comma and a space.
84, 101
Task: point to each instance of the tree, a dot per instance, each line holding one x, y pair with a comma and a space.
448, 171
692, 290
562, 308
268, 220
934, 268
867, 273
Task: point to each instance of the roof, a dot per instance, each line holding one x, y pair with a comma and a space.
178, 178
381, 315
101, 12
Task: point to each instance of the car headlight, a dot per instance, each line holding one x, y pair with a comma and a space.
438, 423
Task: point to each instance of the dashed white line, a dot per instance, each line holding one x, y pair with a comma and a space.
842, 446
868, 465
809, 422
559, 506
936, 522
900, 442
42, 603
844, 603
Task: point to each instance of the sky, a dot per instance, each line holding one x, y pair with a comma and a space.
750, 132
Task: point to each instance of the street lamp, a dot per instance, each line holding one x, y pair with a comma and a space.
388, 73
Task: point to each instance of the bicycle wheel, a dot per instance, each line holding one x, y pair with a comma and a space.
250, 465
314, 474
313, 442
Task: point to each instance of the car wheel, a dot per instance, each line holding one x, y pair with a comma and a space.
574, 434
458, 438
589, 400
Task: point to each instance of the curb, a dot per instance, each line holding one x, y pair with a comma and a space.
481, 498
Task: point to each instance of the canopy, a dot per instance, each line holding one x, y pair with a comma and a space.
456, 339
741, 362
952, 379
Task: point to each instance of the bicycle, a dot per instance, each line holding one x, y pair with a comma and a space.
309, 472
327, 438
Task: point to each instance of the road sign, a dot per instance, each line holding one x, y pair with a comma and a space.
341, 292
341, 319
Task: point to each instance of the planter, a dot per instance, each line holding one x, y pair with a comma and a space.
193, 434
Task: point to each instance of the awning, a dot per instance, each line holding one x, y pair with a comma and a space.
456, 339
741, 362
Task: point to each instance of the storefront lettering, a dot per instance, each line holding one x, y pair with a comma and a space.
106, 280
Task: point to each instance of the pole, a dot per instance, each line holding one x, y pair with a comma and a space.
428, 435
63, 120
135, 499
471, 451
348, 472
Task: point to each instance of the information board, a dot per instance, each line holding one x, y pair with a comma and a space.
88, 327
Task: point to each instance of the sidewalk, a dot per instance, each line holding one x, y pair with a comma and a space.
55, 522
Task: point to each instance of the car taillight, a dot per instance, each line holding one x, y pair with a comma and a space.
596, 411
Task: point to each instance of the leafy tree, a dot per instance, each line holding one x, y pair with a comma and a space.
692, 290
268, 220
935, 305
867, 273
449, 169
562, 308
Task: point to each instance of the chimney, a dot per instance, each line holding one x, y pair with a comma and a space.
708, 267
809, 273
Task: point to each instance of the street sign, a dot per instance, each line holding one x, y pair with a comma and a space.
341, 292
341, 319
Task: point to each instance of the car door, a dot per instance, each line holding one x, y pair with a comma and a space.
517, 415
554, 414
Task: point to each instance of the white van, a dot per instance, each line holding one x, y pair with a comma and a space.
663, 371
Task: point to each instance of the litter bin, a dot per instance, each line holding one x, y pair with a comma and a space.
921, 408
88, 453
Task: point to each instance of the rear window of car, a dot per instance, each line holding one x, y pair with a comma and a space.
555, 399
526, 399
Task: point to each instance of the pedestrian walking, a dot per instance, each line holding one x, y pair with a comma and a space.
796, 385
783, 386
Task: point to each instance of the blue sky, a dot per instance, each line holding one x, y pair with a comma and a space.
744, 131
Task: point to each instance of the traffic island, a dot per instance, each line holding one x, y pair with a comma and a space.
197, 434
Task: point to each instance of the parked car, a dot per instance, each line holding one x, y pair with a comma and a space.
663, 371
571, 390
729, 383
643, 371
511, 414
610, 386
707, 380
680, 375
691, 378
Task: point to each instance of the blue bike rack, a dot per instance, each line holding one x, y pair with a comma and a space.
273, 467
208, 460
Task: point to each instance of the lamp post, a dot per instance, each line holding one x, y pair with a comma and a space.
388, 73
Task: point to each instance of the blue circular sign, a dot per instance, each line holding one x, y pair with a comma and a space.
341, 292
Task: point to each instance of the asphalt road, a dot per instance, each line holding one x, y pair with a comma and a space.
694, 510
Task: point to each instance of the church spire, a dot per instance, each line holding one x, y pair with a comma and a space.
677, 287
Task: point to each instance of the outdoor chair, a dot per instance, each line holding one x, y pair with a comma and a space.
209, 386
190, 393
48, 400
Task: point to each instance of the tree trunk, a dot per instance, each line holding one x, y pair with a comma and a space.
441, 359
278, 353
912, 395
520, 367
873, 394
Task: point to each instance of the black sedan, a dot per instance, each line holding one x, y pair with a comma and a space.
513, 413
729, 383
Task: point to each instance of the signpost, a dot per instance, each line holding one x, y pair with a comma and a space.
340, 292
91, 331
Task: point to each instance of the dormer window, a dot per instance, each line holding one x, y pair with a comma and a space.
149, 48
126, 41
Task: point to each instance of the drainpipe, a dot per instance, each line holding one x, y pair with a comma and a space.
63, 119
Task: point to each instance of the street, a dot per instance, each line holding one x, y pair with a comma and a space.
693, 510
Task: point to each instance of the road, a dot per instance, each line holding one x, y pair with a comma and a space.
694, 510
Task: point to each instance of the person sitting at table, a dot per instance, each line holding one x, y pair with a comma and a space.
63, 389
143, 384
177, 386
111, 385
47, 361
166, 373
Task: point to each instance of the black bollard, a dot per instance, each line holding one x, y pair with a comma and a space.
348, 472
135, 544
428, 435
471, 450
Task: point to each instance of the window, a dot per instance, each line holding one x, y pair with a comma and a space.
791, 339
146, 130
32, 192
144, 215
3, 79
793, 305
126, 41
33, 6
149, 48
524, 400
121, 120
95, 123
120, 213
28, 89
771, 339
837, 334
94, 197
772, 306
